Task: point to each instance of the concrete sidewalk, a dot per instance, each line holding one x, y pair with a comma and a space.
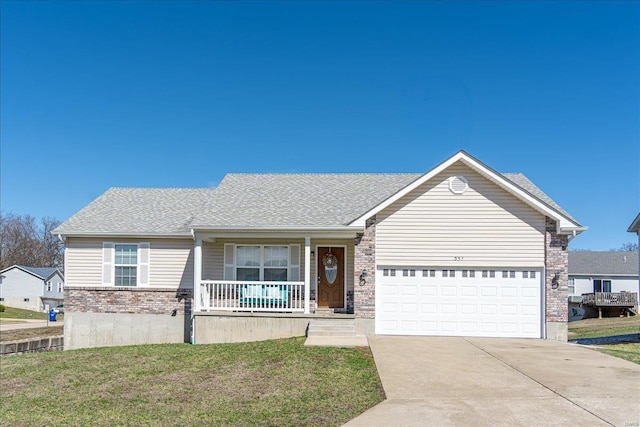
448, 381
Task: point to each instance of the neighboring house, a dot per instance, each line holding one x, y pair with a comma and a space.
635, 228
31, 288
460, 250
600, 272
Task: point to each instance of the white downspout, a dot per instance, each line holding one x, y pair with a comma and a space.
307, 275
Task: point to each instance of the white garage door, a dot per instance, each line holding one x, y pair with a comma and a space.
459, 302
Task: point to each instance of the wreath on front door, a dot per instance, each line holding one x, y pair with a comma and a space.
330, 262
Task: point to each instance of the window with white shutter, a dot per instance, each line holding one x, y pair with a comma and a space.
125, 264
107, 263
229, 261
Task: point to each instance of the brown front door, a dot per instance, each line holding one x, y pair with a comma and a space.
330, 277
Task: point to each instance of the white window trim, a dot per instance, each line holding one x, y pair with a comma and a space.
109, 265
231, 267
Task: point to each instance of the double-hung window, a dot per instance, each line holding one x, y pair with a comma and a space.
262, 263
126, 265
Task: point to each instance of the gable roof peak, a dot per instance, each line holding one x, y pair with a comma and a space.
635, 225
565, 223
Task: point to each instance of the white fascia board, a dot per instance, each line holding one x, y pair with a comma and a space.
23, 270
565, 225
276, 232
360, 221
186, 235
9, 268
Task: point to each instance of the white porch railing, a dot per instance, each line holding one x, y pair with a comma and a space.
229, 295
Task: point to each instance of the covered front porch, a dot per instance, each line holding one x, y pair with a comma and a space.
273, 273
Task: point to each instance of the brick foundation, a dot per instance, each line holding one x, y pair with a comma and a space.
128, 300
364, 303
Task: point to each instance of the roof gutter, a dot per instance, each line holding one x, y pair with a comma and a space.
280, 232
571, 231
280, 229
101, 235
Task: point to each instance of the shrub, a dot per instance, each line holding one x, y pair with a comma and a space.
1, 308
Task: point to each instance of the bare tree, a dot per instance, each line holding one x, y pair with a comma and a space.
627, 247
23, 242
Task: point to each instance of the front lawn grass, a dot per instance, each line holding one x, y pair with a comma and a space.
609, 327
18, 313
267, 383
630, 352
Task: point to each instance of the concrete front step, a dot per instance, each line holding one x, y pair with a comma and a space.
332, 333
328, 325
351, 341
332, 327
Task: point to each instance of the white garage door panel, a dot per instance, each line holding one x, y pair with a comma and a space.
459, 306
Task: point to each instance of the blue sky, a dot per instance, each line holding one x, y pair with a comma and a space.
176, 94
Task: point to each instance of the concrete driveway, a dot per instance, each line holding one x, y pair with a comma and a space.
446, 381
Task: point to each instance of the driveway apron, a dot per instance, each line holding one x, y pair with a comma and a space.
450, 381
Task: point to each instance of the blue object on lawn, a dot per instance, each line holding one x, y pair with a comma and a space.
52, 316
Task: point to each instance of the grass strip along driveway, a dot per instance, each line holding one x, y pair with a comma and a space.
277, 382
610, 327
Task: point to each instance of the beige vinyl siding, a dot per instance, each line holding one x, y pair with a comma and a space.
486, 226
170, 262
83, 262
213, 261
213, 255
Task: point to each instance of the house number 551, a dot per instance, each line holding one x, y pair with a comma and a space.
458, 258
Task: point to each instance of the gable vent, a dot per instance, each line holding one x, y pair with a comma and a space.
458, 184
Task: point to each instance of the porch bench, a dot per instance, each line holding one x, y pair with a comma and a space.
263, 296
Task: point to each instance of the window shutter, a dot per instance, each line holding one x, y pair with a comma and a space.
294, 263
229, 261
143, 263
108, 249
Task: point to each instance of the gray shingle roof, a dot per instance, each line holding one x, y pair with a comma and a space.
300, 200
154, 211
42, 272
524, 183
248, 201
603, 263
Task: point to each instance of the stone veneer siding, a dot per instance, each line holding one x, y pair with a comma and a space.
128, 300
364, 303
556, 260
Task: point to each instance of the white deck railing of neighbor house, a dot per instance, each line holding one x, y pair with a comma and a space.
228, 295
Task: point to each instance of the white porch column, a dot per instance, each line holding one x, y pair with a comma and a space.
307, 274
197, 274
